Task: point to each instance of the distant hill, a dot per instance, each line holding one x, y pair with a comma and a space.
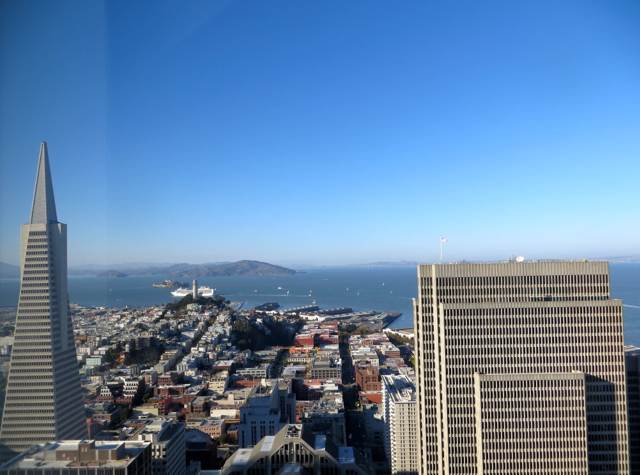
232, 268
191, 270
112, 273
94, 269
7, 271
383, 264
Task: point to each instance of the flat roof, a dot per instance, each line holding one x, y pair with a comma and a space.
241, 457
35, 456
267, 443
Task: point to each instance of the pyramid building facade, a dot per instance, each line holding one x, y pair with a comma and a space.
43, 401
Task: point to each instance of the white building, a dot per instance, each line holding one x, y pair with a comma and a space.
270, 407
219, 382
261, 371
400, 414
133, 387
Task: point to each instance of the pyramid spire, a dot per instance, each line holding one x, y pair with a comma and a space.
44, 204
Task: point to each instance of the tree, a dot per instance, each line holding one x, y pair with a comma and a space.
124, 415
223, 439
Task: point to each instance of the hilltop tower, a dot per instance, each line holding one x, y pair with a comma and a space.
195, 289
43, 400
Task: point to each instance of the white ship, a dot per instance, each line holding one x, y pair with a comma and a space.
204, 291
181, 292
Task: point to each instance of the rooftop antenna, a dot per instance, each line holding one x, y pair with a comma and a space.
441, 241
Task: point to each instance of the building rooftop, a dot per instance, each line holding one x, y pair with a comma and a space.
319, 445
399, 388
261, 390
60, 454
512, 260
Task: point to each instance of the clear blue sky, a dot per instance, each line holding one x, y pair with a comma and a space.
324, 132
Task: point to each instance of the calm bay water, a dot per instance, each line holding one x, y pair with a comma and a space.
361, 288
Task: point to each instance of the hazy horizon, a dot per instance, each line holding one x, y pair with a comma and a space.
310, 263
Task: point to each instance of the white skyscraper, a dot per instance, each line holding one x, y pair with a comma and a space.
400, 414
520, 370
43, 400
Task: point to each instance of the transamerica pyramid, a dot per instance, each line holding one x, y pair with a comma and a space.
43, 401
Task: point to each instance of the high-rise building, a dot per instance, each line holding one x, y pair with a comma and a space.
520, 369
43, 400
400, 413
270, 406
168, 446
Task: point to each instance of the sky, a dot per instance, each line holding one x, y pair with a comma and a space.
324, 133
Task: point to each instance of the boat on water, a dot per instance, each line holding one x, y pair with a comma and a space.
181, 292
203, 291
206, 291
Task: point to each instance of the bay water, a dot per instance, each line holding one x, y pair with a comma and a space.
384, 288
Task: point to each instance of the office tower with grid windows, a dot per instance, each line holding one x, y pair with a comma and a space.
43, 400
520, 369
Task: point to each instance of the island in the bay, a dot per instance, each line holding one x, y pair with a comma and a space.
170, 284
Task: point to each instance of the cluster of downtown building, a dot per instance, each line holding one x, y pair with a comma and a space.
520, 368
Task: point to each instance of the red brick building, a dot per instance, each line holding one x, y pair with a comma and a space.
170, 379
305, 339
368, 379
